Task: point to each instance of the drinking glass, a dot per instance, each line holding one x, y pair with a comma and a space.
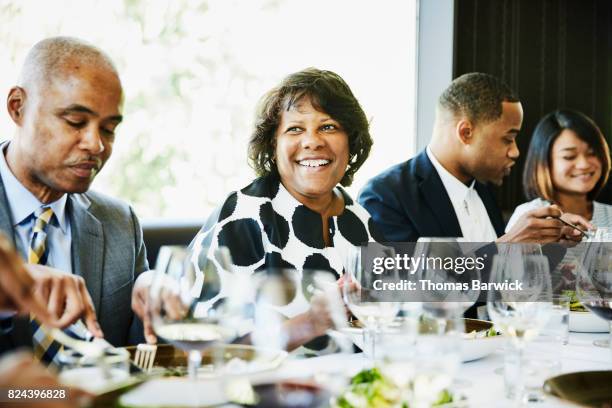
557, 328
446, 274
282, 296
434, 360
397, 351
594, 281
374, 308
519, 314
189, 307
602, 235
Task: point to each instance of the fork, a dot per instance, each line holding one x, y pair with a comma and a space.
87, 348
145, 356
93, 349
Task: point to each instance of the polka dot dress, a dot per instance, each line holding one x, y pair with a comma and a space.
264, 226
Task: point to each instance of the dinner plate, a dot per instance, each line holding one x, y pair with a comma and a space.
587, 388
230, 359
478, 347
587, 322
471, 348
289, 394
174, 392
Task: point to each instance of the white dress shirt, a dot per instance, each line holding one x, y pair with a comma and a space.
22, 205
471, 213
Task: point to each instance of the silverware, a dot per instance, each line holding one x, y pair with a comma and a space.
587, 234
145, 356
86, 348
93, 349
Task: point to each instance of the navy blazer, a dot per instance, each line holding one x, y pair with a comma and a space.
408, 201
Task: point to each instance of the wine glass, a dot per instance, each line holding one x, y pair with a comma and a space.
189, 307
364, 294
284, 298
446, 275
519, 312
594, 281
418, 356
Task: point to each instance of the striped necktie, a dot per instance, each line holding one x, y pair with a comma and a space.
45, 349
37, 253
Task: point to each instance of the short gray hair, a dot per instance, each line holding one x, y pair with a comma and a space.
51, 57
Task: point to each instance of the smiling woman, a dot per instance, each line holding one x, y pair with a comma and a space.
567, 164
310, 135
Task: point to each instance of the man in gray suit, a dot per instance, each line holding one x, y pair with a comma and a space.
66, 108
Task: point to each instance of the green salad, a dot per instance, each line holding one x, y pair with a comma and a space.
370, 388
575, 305
482, 334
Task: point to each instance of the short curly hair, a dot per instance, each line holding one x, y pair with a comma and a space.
328, 93
478, 96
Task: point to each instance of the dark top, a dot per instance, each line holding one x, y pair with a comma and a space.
409, 201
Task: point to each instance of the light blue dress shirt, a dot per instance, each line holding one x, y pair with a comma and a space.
22, 205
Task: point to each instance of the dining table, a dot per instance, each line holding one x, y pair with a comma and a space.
478, 383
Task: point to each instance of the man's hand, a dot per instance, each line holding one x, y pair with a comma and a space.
66, 297
542, 226
16, 285
140, 301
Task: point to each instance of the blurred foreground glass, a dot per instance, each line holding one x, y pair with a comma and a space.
94, 374
557, 328
538, 367
594, 281
374, 308
282, 296
418, 356
519, 314
448, 285
187, 304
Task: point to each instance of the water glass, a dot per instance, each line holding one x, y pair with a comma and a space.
557, 328
93, 374
520, 315
536, 371
375, 309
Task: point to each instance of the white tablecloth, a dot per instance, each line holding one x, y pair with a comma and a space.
478, 380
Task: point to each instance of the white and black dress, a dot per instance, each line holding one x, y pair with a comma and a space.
264, 226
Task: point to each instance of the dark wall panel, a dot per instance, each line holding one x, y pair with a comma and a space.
554, 53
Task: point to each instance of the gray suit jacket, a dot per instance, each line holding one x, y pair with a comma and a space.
108, 252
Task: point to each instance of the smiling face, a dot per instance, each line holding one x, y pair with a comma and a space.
312, 152
66, 131
493, 150
575, 167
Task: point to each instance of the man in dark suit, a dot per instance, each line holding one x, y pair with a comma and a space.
66, 108
443, 192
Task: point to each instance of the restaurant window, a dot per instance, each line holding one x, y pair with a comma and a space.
193, 72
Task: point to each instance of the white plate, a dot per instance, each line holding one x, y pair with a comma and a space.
355, 334
587, 322
474, 349
175, 392
471, 349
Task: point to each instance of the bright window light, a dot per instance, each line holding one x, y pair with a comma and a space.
193, 72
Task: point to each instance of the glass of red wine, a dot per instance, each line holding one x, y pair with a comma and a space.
594, 281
